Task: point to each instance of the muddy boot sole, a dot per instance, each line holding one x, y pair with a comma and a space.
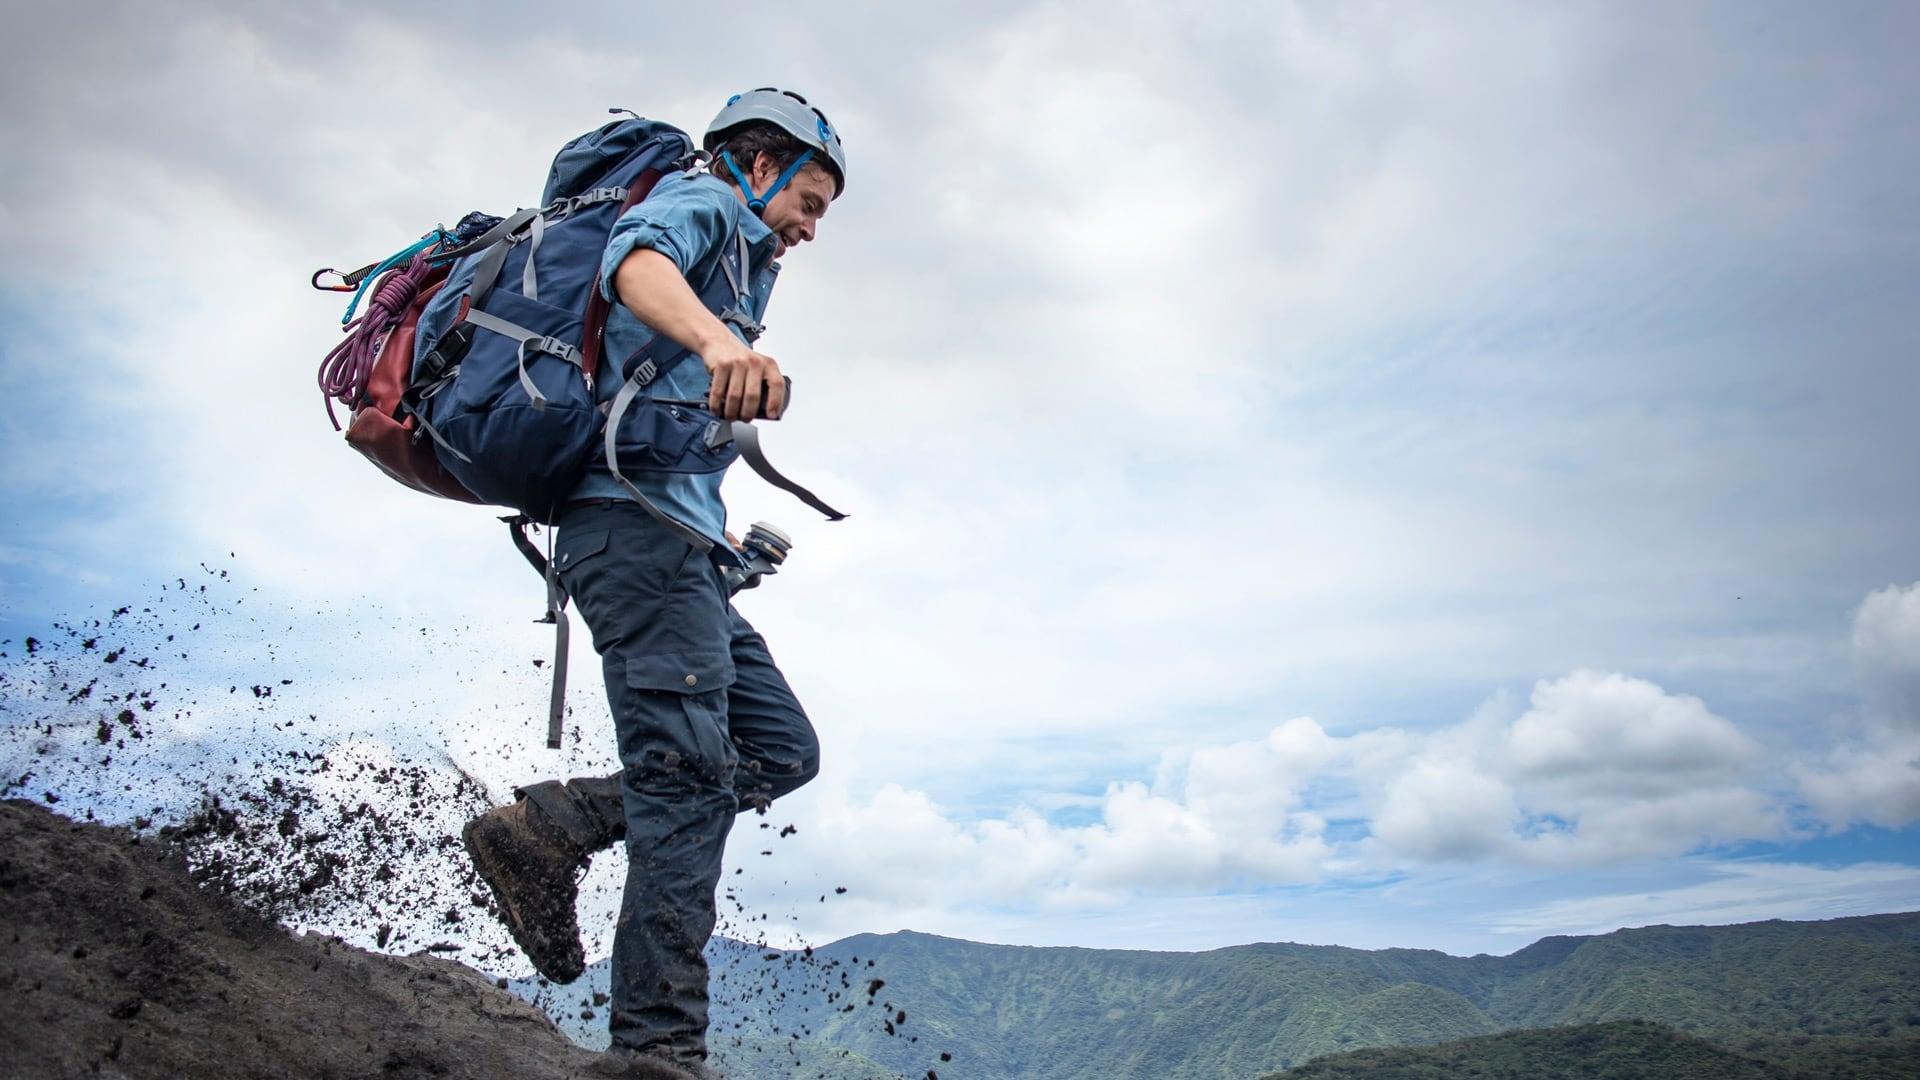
547, 933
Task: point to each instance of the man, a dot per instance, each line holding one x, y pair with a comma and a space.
707, 725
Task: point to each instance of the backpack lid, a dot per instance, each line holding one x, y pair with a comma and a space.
581, 165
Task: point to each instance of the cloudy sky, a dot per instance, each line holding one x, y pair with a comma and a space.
1346, 473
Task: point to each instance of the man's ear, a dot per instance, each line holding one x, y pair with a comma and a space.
764, 170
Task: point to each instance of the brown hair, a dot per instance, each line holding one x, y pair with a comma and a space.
753, 139
748, 141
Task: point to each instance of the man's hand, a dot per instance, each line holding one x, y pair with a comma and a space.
741, 377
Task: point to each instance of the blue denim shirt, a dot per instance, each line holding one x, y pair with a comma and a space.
690, 218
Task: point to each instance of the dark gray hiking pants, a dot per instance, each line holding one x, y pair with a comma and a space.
707, 726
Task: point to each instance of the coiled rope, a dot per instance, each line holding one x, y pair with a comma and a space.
345, 371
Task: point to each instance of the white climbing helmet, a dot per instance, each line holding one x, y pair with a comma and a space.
790, 113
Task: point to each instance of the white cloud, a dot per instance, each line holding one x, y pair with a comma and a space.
1119, 428
1593, 730
899, 845
1873, 774
1736, 892
1600, 769
1178, 368
1596, 770
1440, 809
1876, 781
1886, 655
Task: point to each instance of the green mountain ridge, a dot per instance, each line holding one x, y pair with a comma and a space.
1054, 1013
1629, 1049
1402, 1014
1623, 1049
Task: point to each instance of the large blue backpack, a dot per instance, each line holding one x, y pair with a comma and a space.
506, 318
506, 353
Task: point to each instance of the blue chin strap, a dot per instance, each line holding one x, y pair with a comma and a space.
757, 203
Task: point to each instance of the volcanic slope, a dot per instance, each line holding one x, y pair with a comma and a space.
115, 964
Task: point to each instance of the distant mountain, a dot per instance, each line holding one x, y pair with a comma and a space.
1625, 1048
1857, 976
1629, 1049
1082, 1014
1094, 1014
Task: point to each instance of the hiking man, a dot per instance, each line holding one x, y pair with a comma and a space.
706, 724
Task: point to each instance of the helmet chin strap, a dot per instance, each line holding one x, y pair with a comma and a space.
758, 203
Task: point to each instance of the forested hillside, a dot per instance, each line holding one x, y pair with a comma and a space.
1843, 977
1623, 1050
1774, 992
1081, 1014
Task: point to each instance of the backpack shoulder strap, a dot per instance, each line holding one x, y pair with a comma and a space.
594, 323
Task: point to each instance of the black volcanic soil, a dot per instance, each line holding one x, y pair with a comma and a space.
163, 953
114, 964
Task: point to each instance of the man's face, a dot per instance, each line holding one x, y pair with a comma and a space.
796, 210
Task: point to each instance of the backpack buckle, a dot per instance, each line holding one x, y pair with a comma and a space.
748, 328
553, 346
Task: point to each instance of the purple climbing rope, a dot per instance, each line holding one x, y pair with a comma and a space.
345, 371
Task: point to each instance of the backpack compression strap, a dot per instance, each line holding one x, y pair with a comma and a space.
556, 614
496, 242
747, 437
531, 226
636, 384
743, 433
644, 375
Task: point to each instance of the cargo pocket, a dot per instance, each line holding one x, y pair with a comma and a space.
571, 549
699, 679
692, 672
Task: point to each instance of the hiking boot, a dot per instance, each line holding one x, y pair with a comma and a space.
533, 871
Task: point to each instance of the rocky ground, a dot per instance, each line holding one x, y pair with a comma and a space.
115, 964
248, 794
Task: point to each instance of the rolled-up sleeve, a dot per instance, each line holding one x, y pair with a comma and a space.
685, 221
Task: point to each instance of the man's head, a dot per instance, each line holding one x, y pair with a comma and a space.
795, 210
784, 158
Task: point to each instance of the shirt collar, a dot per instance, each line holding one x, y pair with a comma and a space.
760, 243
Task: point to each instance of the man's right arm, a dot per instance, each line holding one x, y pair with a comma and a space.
651, 286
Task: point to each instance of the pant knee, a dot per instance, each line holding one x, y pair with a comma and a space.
800, 761
808, 768
767, 779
